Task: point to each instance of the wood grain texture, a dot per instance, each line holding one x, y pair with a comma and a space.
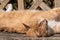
41, 4
57, 3
15, 36
3, 4
20, 4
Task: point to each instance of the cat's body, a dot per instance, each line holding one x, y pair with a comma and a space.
15, 21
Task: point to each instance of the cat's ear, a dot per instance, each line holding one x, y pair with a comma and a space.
43, 28
27, 27
42, 22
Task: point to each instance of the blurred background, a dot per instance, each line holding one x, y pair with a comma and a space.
28, 4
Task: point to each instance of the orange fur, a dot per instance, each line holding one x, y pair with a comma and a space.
13, 21
40, 29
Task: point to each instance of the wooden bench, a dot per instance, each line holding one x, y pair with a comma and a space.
3, 3
16, 36
36, 3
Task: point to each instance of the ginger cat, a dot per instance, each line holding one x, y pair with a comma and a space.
25, 21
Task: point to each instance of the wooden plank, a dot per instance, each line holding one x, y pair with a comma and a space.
35, 4
40, 4
15, 36
3, 3
57, 3
44, 6
20, 4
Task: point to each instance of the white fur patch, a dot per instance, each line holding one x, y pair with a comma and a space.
9, 8
51, 23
